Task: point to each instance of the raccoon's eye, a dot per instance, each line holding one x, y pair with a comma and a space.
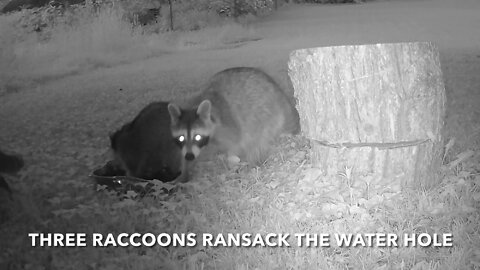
200, 140
180, 141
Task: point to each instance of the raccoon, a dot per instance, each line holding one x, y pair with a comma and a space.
145, 148
10, 163
241, 111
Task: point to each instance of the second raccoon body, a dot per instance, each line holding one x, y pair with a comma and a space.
145, 148
242, 110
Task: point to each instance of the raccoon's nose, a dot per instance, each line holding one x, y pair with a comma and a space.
189, 156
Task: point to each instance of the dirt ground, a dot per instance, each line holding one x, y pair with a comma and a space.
61, 126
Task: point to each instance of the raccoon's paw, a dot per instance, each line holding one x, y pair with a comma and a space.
183, 178
232, 162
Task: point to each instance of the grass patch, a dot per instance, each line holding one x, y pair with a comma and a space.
225, 36
83, 40
285, 195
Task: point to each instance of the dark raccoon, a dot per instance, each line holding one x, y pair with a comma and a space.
10, 163
145, 148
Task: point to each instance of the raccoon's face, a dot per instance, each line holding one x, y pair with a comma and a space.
191, 129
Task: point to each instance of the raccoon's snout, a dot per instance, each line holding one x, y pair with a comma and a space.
189, 156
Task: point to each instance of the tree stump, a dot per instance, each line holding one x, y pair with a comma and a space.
378, 109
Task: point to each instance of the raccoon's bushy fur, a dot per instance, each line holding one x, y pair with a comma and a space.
145, 147
243, 110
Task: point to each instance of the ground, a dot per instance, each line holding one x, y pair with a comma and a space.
61, 125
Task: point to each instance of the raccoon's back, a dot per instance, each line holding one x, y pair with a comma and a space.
151, 123
146, 144
249, 99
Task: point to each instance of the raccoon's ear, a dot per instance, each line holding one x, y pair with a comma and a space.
204, 109
174, 112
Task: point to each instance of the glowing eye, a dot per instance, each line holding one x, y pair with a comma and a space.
198, 137
181, 138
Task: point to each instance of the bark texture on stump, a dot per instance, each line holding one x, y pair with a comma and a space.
377, 108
